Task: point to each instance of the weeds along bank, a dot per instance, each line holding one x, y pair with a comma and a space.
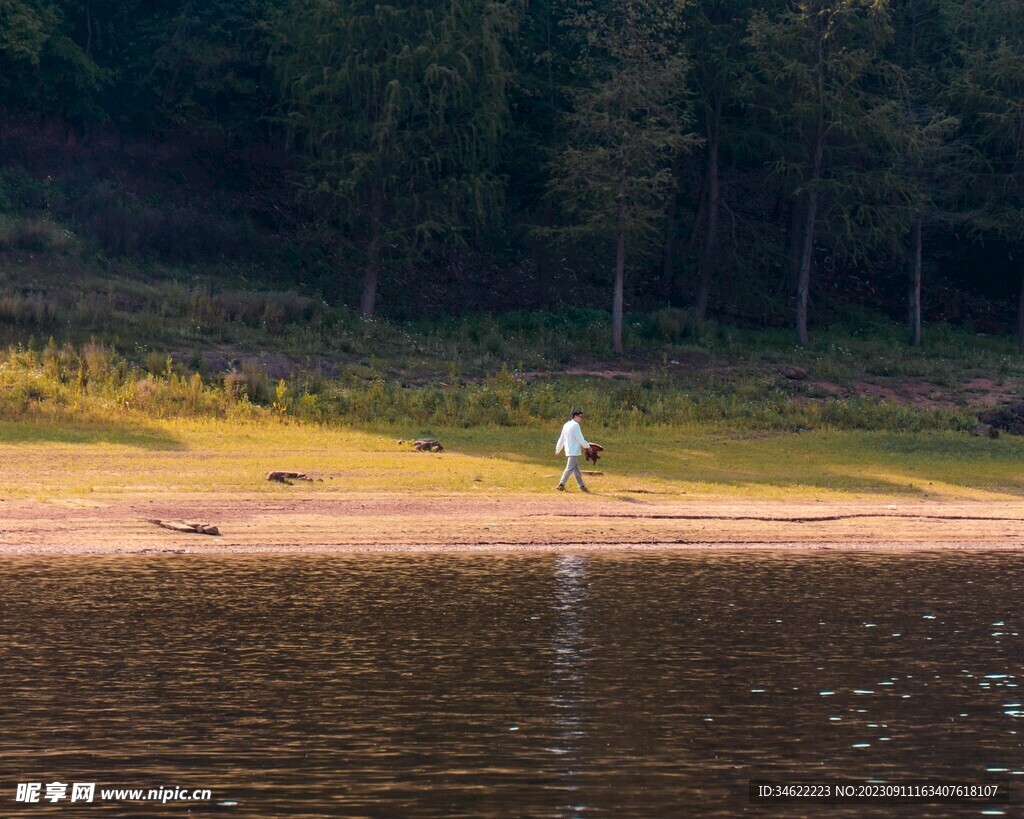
93, 382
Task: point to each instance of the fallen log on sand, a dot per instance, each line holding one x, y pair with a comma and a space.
188, 528
426, 445
284, 475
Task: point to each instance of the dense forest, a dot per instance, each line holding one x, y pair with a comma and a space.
757, 161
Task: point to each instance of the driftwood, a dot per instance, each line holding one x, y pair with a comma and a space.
188, 528
591, 452
284, 475
424, 445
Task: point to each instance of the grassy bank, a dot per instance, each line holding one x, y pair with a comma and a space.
85, 420
94, 383
695, 409
55, 284
55, 458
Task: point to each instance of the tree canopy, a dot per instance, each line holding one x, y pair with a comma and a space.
752, 160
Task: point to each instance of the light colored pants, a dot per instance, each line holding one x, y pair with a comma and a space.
572, 467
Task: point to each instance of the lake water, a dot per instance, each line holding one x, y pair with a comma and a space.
614, 684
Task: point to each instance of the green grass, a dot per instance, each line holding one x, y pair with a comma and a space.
93, 382
54, 458
78, 421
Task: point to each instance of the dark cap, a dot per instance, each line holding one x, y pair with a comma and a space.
576, 412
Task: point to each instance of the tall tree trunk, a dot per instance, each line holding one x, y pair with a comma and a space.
368, 301
914, 290
620, 277
542, 251
88, 29
371, 279
698, 219
707, 258
669, 247
803, 281
1020, 315
796, 235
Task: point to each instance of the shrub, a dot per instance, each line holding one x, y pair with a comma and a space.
94, 379
123, 224
96, 362
237, 305
251, 383
272, 310
157, 363
60, 364
36, 236
21, 191
94, 310
25, 310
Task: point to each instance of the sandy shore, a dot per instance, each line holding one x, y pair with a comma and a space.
450, 523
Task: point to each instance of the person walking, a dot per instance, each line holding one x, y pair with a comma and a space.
573, 442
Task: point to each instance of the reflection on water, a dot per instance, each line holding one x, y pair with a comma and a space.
497, 685
568, 665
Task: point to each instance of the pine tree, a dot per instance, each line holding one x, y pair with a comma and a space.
400, 110
821, 77
931, 162
614, 175
987, 91
715, 27
42, 69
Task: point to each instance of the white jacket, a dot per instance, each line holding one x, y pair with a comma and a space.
571, 440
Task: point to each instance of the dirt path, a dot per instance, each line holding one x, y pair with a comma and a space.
445, 523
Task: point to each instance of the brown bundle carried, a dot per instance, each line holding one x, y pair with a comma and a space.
591, 452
